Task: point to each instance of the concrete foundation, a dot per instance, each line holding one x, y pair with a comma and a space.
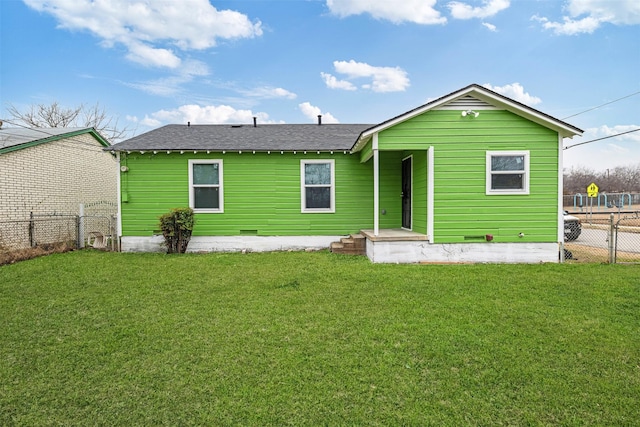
424, 252
231, 243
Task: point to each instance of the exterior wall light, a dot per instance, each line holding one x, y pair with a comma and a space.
470, 113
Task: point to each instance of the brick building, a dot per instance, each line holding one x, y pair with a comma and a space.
53, 170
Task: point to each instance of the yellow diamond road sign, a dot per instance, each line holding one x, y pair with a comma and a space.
592, 190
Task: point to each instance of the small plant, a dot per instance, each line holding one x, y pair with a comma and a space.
176, 227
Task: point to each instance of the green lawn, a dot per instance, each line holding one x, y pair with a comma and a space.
93, 338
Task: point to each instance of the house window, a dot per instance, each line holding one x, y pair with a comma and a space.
507, 172
317, 185
205, 185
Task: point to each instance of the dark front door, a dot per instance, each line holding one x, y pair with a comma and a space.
406, 193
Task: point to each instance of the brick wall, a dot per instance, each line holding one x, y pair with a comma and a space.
56, 177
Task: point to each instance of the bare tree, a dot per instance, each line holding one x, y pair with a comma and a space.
54, 116
621, 179
577, 180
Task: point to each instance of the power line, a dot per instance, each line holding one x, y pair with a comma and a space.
600, 139
607, 103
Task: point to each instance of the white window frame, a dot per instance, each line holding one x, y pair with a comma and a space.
220, 185
303, 187
526, 173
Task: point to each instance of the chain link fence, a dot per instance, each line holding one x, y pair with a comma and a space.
605, 238
45, 233
39, 230
627, 239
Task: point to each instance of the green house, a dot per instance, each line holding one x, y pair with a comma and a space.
470, 177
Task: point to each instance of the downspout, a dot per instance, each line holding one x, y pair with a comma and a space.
376, 185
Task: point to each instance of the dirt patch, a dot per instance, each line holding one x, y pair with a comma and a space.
588, 254
10, 257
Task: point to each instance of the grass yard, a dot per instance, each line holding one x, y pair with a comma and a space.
93, 338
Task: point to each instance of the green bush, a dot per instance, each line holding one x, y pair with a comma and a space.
176, 227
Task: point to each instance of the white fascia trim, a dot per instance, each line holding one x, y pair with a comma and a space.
531, 114
417, 112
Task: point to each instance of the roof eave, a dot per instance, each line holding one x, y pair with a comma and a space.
564, 129
101, 140
223, 150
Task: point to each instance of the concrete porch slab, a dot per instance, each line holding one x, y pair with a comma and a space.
394, 235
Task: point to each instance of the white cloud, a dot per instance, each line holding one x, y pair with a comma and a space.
569, 26
333, 83
416, 11
208, 114
149, 122
604, 131
618, 12
162, 87
490, 27
516, 92
383, 79
608, 153
145, 27
172, 85
154, 57
586, 16
489, 8
313, 112
268, 92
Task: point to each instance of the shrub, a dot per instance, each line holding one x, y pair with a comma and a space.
176, 227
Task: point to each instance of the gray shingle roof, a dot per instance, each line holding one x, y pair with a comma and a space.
263, 137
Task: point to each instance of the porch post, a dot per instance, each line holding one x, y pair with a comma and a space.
560, 218
430, 193
376, 186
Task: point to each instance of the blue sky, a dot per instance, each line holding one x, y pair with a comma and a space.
151, 63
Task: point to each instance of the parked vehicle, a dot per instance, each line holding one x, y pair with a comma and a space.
572, 227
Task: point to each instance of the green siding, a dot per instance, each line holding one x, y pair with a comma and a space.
262, 191
462, 211
261, 194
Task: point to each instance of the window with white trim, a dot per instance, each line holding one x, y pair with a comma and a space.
317, 182
205, 186
507, 172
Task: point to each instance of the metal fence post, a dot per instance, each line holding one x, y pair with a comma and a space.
612, 252
78, 231
32, 237
81, 227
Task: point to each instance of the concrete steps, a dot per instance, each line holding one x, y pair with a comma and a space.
355, 244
